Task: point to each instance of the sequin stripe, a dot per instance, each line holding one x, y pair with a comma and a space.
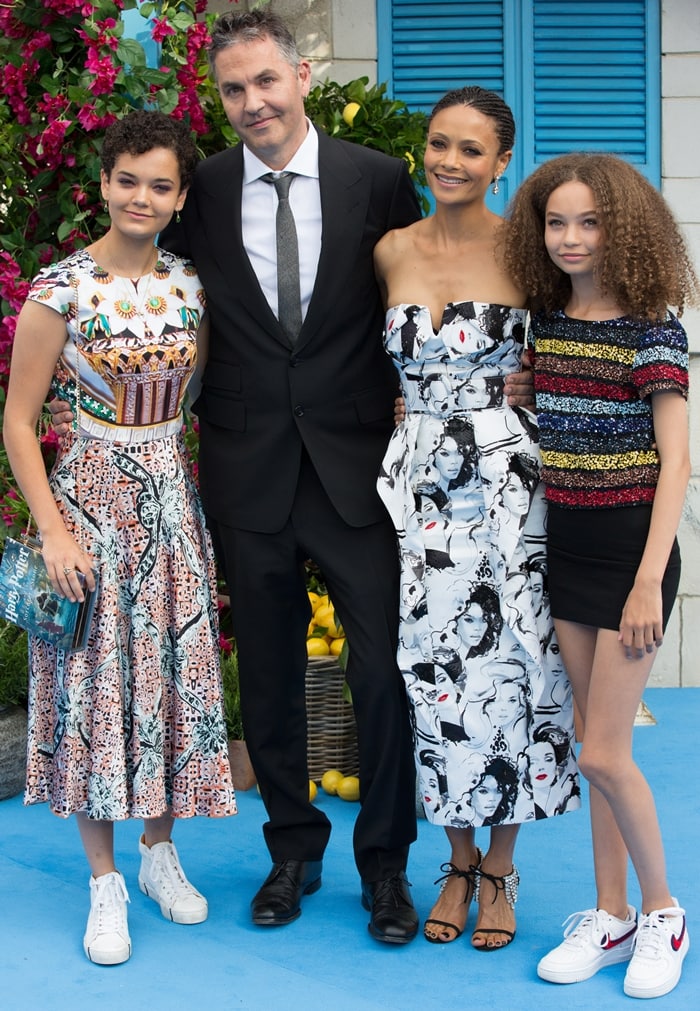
588, 349
614, 372
599, 422
632, 477
675, 353
599, 499
579, 387
661, 377
598, 461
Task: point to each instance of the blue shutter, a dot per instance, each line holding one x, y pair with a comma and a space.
578, 74
428, 48
594, 80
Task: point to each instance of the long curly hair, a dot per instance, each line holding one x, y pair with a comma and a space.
644, 266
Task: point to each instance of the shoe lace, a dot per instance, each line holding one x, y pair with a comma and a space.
578, 927
649, 942
111, 893
451, 871
166, 870
284, 876
392, 890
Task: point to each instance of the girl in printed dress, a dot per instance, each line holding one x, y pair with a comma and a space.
133, 726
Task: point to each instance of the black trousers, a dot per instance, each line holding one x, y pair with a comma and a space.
271, 614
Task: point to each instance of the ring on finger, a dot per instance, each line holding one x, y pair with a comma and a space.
67, 570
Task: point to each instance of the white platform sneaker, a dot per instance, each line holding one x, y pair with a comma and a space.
161, 878
660, 946
592, 940
107, 940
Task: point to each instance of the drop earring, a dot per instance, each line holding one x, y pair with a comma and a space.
177, 217
495, 186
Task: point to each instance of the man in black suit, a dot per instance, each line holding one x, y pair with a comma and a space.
292, 432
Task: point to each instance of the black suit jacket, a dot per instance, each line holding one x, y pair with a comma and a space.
261, 401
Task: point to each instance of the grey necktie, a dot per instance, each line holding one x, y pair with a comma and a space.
288, 296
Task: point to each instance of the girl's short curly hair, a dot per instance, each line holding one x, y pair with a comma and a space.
141, 131
644, 265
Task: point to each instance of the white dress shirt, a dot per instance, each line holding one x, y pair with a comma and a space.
259, 209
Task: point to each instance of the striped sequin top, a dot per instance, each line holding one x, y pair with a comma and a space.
593, 382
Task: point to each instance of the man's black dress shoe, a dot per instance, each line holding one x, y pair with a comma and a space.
394, 918
279, 899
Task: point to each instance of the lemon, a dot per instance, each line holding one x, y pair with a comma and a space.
336, 646
411, 162
325, 618
313, 790
349, 788
330, 780
314, 600
350, 111
317, 647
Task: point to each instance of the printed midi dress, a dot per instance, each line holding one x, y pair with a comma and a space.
490, 701
134, 724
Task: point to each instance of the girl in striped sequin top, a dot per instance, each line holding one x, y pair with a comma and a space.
599, 252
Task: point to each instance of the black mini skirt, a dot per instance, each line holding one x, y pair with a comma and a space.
593, 556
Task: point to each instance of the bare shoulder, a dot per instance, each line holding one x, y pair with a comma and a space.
395, 242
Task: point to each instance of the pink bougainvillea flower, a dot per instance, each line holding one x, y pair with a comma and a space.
90, 120
105, 75
49, 439
225, 645
161, 29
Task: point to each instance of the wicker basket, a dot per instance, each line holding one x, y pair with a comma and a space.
332, 732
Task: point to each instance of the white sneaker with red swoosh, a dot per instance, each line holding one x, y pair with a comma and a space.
661, 944
592, 940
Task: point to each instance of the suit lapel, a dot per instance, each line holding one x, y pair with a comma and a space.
343, 211
222, 194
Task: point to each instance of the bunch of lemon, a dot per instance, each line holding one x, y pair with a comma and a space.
325, 636
335, 783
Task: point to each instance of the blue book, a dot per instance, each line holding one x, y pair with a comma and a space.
28, 599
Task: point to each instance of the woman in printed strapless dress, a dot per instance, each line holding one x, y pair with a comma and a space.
461, 482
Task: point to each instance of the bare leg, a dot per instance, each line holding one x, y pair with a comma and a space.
157, 830
623, 812
449, 914
610, 855
497, 916
98, 842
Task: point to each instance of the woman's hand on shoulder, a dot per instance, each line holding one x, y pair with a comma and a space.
61, 416
519, 388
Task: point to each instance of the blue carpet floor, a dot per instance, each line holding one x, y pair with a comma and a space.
326, 959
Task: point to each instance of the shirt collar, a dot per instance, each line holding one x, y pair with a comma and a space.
304, 161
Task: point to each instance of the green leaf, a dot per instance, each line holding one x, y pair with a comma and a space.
64, 230
167, 99
131, 52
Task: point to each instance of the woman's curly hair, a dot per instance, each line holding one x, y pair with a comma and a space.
141, 131
644, 265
